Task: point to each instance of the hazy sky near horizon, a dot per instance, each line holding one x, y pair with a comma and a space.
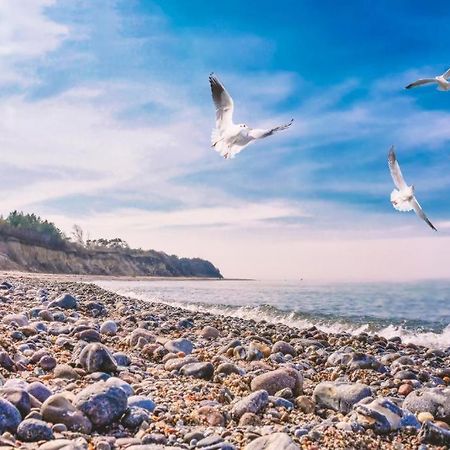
106, 114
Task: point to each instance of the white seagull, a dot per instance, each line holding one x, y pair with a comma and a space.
403, 198
441, 80
229, 138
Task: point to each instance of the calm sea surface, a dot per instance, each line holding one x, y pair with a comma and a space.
418, 312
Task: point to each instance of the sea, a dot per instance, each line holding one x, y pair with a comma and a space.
418, 312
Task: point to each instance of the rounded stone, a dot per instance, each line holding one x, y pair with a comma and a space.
433, 400
96, 357
209, 332
140, 401
274, 441
179, 345
66, 372
32, 430
253, 403
101, 403
109, 328
9, 416
283, 347
134, 417
58, 409
425, 417
204, 370
126, 387
178, 363
39, 390
122, 359
278, 379
340, 396
47, 362
66, 301
20, 398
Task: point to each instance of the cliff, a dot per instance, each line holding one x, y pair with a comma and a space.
18, 254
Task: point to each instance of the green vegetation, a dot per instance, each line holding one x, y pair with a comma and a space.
33, 229
30, 243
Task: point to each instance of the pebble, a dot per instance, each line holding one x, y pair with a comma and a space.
66, 372
253, 403
284, 347
101, 403
134, 416
32, 430
383, 416
179, 345
96, 357
436, 401
275, 441
66, 301
209, 332
340, 396
140, 401
58, 409
109, 327
278, 379
203, 370
9, 416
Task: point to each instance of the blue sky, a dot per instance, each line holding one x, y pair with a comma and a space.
106, 115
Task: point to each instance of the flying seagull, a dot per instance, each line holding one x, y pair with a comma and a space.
441, 80
403, 198
229, 138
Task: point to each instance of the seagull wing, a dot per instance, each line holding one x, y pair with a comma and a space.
394, 168
420, 213
421, 82
257, 133
223, 103
446, 74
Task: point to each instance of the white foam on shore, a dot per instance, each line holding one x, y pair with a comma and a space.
272, 315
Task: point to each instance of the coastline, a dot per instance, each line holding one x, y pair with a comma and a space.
90, 278
205, 381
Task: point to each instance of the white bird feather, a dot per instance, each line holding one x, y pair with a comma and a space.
229, 138
403, 198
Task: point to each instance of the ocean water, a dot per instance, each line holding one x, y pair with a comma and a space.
418, 312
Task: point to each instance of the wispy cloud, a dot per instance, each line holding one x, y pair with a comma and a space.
105, 116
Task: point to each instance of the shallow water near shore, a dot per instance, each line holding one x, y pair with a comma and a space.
418, 312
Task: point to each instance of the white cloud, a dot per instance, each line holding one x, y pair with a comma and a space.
26, 33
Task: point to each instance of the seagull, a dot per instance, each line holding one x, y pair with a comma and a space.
441, 80
229, 138
403, 198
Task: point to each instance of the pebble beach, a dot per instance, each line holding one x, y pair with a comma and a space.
84, 368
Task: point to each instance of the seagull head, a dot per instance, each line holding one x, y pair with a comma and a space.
243, 125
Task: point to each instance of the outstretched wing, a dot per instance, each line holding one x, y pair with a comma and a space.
223, 103
419, 211
259, 133
396, 173
421, 82
446, 74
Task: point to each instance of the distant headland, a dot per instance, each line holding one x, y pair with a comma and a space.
32, 244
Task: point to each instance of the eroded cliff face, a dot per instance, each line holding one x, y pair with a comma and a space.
16, 255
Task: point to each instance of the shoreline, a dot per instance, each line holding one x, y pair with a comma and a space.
90, 277
205, 381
